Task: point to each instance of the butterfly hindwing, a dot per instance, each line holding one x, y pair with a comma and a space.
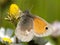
24, 28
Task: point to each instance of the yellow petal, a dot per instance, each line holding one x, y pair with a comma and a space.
14, 10
5, 39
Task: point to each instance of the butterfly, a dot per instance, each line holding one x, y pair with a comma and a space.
30, 25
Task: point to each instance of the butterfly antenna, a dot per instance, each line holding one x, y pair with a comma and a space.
28, 10
31, 8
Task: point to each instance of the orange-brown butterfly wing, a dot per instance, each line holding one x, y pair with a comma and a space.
39, 25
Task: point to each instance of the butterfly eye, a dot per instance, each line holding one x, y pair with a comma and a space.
46, 28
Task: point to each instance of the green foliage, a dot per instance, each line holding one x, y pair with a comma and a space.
47, 9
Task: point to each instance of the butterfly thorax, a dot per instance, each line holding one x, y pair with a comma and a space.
26, 21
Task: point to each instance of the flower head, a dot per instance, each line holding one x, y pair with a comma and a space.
5, 36
56, 28
14, 11
7, 39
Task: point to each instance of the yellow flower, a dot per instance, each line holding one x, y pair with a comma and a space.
5, 35
14, 11
5, 39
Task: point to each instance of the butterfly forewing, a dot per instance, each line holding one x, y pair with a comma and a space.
40, 27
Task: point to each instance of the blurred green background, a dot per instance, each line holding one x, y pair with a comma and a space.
47, 9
